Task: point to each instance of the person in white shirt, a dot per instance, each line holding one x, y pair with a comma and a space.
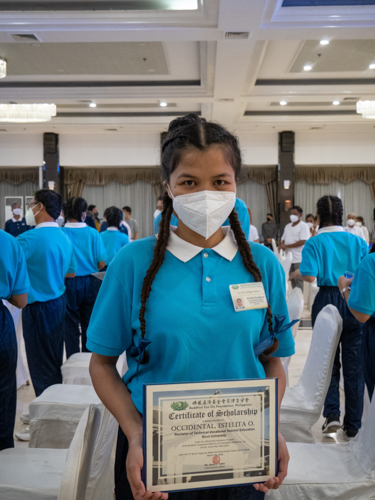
352, 228
361, 224
253, 236
293, 240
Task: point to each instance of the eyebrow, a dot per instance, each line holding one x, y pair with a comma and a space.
189, 176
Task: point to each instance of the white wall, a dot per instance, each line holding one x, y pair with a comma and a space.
259, 148
21, 150
336, 148
109, 149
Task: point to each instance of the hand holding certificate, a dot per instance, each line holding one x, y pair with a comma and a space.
209, 434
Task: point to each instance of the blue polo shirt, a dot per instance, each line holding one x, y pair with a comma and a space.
13, 272
362, 294
113, 241
49, 257
330, 253
88, 247
195, 333
16, 227
240, 207
104, 227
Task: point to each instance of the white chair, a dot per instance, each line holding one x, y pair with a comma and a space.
75, 370
295, 303
35, 474
344, 471
302, 404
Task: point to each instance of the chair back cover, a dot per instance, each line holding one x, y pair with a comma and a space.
274, 246
316, 376
77, 466
295, 305
363, 445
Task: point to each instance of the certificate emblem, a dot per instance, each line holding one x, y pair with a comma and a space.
216, 459
179, 405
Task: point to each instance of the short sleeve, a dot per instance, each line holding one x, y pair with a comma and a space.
305, 232
110, 332
21, 279
256, 235
101, 253
362, 294
309, 264
364, 249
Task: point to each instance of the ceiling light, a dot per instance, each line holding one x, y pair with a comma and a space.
163, 104
283, 103
336, 103
25, 113
372, 66
366, 109
3, 68
324, 42
92, 105
307, 67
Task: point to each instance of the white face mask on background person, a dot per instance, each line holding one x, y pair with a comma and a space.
157, 213
358, 224
17, 211
310, 224
294, 218
30, 216
204, 211
351, 222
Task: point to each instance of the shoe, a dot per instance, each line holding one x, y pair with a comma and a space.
25, 418
23, 436
332, 424
349, 432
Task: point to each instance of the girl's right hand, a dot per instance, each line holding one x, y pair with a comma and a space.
134, 464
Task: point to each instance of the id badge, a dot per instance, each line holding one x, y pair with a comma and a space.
248, 296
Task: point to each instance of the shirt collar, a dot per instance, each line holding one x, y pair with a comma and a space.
112, 229
46, 224
331, 229
76, 225
185, 251
15, 220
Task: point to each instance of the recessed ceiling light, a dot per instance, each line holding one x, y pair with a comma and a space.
324, 42
336, 103
372, 66
283, 103
307, 67
163, 104
92, 105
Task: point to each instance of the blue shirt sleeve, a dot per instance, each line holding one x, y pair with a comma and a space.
101, 253
243, 216
21, 279
22, 241
124, 240
309, 264
362, 294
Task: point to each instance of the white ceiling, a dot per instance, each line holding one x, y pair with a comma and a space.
190, 64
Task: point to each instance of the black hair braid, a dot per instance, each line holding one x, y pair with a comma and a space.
159, 254
247, 258
330, 211
74, 208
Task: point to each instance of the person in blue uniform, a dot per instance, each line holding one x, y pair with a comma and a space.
113, 238
49, 259
326, 257
17, 224
360, 296
14, 285
81, 291
104, 225
173, 290
240, 207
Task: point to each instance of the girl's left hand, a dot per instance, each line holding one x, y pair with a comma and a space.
274, 483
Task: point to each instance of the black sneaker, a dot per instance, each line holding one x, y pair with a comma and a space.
349, 432
332, 424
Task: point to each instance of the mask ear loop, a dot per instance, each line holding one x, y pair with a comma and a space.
37, 211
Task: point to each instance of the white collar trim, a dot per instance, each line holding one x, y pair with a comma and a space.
15, 220
76, 225
185, 251
112, 229
331, 229
46, 224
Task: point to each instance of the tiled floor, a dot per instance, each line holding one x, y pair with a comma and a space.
26, 393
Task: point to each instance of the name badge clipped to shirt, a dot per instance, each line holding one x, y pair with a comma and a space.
248, 296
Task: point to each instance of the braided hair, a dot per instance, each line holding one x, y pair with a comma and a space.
330, 211
186, 133
74, 208
113, 216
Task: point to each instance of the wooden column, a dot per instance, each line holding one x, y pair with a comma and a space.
285, 173
53, 174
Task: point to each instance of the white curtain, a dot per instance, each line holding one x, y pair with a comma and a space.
255, 197
140, 196
25, 189
356, 198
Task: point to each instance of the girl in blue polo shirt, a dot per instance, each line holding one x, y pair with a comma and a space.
112, 237
14, 285
360, 296
174, 291
326, 257
81, 292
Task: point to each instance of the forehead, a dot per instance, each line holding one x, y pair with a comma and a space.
294, 211
204, 162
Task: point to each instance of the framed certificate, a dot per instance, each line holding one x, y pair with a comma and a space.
209, 434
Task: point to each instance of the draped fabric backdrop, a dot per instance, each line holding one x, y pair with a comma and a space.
6, 189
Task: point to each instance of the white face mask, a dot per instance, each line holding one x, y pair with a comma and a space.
204, 211
17, 211
30, 217
294, 218
310, 224
157, 213
351, 222
358, 224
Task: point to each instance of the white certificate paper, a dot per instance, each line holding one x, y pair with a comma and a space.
209, 434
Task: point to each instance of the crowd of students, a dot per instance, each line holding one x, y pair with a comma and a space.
165, 300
